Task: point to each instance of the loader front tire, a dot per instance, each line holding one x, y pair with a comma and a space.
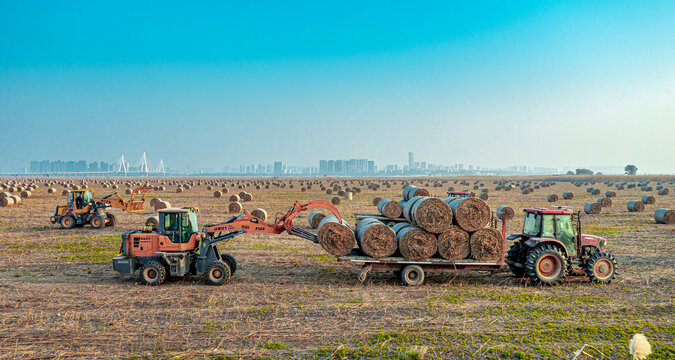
152, 273
67, 222
217, 273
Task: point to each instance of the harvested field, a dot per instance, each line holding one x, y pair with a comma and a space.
60, 297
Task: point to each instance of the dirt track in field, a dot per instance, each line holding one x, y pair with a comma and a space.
60, 298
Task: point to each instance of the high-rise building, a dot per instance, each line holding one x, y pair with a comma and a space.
411, 160
34, 166
323, 167
372, 169
278, 168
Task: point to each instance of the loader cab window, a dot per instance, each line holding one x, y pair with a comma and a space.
86, 197
532, 226
71, 200
79, 201
171, 222
177, 227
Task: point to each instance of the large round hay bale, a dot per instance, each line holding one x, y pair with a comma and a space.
390, 208
235, 207
65, 192
217, 194
664, 216
334, 237
127, 192
411, 191
225, 190
152, 221
415, 243
605, 202
431, 214
5, 194
487, 245
335, 200
453, 243
648, 199
635, 206
179, 190
26, 194
154, 201
376, 200
470, 213
161, 204
663, 191
17, 199
209, 188
234, 198
483, 196
375, 238
247, 197
552, 197
592, 208
6, 201
568, 195
505, 213
260, 214
610, 194
315, 218
51, 190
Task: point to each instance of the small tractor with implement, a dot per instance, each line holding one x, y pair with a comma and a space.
177, 247
82, 208
551, 246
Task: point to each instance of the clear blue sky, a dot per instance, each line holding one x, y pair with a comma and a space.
213, 84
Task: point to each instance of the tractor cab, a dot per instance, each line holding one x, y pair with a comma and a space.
178, 224
551, 224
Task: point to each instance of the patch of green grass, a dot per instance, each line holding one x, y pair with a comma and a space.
274, 345
94, 249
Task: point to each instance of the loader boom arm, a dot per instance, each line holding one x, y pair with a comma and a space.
134, 205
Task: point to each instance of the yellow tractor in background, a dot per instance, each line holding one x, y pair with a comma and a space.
83, 208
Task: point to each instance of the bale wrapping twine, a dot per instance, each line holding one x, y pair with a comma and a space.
375, 238
336, 238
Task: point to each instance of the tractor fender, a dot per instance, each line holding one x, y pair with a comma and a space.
533, 242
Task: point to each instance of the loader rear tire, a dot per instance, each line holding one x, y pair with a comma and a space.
230, 261
546, 265
110, 220
217, 273
152, 273
97, 222
67, 222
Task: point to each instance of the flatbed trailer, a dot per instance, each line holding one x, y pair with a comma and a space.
412, 272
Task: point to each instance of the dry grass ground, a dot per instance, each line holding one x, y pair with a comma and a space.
60, 298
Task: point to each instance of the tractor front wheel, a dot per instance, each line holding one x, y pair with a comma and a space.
110, 220
152, 273
601, 268
230, 261
217, 273
67, 222
546, 265
515, 258
97, 222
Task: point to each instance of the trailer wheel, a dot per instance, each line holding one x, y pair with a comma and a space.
412, 275
546, 265
110, 219
217, 273
97, 222
67, 222
230, 261
601, 268
152, 273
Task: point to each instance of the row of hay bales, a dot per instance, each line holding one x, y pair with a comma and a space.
9, 197
451, 229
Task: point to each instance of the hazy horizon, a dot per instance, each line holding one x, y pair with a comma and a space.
494, 84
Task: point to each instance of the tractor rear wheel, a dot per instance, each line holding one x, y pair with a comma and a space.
217, 273
516, 258
67, 222
601, 268
412, 275
230, 261
546, 265
110, 219
152, 273
97, 222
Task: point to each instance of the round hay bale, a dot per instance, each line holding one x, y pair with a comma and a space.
335, 200
487, 245
648, 199
415, 243
234, 198
470, 213
454, 244
663, 191
375, 238
25, 194
568, 195
217, 194
209, 188
154, 201
610, 194
329, 191
51, 190
336, 238
390, 208
235, 207
179, 190
635, 206
595, 191
5, 194
505, 213
341, 193
605, 202
431, 214
483, 196
664, 216
6, 201
260, 214
247, 197
152, 221
552, 197
127, 192
315, 218
376, 200
17, 199
410, 191
592, 208
349, 195
65, 192
161, 204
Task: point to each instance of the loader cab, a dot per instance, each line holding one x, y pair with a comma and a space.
79, 199
552, 224
178, 224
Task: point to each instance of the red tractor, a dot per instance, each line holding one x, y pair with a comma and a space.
177, 247
551, 246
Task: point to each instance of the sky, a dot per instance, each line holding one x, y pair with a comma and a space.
213, 84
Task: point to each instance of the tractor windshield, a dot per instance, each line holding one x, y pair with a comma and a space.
531, 226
